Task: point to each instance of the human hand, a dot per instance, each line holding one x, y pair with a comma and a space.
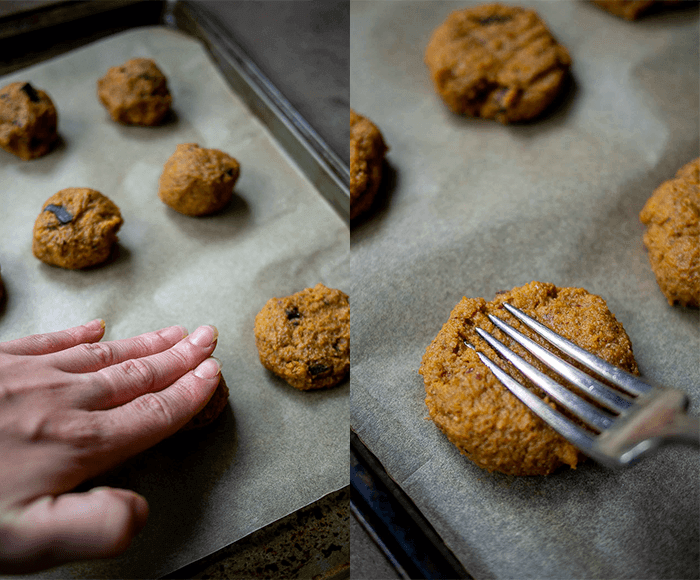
72, 407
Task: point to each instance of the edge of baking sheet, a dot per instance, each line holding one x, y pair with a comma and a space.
322, 166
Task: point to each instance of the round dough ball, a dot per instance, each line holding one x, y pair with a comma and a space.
135, 93
367, 150
76, 228
480, 416
305, 338
212, 409
197, 181
497, 62
28, 121
672, 217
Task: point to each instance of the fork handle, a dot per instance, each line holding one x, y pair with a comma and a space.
685, 429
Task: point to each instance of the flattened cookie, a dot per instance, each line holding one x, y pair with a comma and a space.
672, 217
76, 228
197, 181
497, 62
28, 121
481, 417
367, 151
305, 338
135, 93
212, 409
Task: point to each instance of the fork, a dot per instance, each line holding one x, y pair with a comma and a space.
624, 426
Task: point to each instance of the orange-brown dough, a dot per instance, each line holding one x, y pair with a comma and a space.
135, 93
28, 121
212, 409
305, 338
367, 150
479, 415
672, 217
197, 181
630, 9
497, 62
76, 228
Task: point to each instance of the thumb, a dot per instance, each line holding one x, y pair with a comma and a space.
76, 526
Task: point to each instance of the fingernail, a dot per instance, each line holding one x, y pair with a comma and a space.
208, 369
99, 321
204, 335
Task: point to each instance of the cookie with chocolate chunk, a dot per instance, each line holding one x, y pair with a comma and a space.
305, 338
77, 228
135, 93
367, 149
497, 62
197, 181
28, 121
212, 409
672, 238
480, 416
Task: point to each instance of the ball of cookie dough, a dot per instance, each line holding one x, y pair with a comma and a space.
76, 228
135, 93
480, 416
197, 181
631, 9
497, 62
28, 121
367, 150
672, 238
212, 409
305, 338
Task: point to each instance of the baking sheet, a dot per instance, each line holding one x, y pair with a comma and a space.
275, 449
470, 207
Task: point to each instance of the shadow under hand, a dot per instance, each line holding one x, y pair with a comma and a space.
177, 477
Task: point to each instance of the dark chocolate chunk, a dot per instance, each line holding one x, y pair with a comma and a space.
146, 76
229, 172
61, 213
28, 90
292, 313
319, 369
493, 20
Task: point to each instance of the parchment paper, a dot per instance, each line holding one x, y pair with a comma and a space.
471, 207
275, 449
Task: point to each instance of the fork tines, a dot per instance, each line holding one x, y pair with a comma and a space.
596, 418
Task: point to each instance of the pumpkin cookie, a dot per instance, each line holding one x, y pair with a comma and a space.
367, 151
76, 228
212, 409
305, 338
497, 62
197, 181
28, 121
630, 9
480, 416
135, 93
672, 217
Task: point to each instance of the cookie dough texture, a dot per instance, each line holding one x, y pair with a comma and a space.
367, 150
630, 9
305, 338
28, 121
481, 417
135, 93
212, 409
672, 238
497, 62
76, 228
197, 181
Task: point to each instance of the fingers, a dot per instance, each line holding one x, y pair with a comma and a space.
55, 341
79, 526
152, 417
90, 357
118, 384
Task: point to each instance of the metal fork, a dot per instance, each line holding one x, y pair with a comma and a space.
630, 425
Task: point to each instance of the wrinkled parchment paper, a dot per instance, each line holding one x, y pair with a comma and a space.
471, 207
275, 449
